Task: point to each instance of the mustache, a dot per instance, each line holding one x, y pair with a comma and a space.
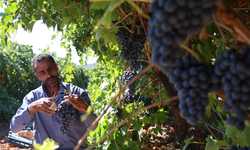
50, 78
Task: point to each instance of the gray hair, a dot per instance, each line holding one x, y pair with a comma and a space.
41, 57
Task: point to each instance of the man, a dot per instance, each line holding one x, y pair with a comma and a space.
38, 102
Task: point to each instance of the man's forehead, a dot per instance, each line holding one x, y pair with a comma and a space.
45, 61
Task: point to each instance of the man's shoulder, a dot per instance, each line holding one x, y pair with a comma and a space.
37, 90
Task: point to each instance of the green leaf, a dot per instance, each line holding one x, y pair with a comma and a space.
239, 141
187, 142
133, 145
40, 3
66, 17
1, 4
245, 135
211, 143
8, 19
48, 144
106, 18
204, 51
59, 4
232, 132
99, 33
157, 129
85, 116
75, 9
99, 5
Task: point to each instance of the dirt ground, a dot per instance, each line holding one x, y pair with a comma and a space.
162, 141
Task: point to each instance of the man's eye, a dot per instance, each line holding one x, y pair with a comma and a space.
41, 73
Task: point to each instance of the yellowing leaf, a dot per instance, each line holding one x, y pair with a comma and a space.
48, 144
85, 116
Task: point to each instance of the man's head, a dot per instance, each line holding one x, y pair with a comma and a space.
46, 69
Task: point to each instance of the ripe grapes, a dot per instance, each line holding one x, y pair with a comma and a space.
173, 21
192, 80
233, 69
128, 76
131, 49
66, 113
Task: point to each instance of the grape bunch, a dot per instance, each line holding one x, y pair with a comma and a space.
192, 80
234, 147
146, 101
131, 98
234, 69
128, 76
119, 114
173, 21
66, 113
131, 50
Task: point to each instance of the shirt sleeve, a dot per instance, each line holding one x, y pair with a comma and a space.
22, 118
92, 116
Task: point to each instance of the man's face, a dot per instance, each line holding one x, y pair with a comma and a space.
47, 72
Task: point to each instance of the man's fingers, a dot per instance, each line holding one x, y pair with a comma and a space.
71, 102
69, 97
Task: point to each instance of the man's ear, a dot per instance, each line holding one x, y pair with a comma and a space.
57, 67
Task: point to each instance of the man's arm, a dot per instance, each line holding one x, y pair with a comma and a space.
22, 117
29, 107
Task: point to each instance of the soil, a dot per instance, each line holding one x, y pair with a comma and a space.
150, 141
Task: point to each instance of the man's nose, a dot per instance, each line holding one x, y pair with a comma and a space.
48, 74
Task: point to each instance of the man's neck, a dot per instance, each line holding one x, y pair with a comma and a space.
52, 90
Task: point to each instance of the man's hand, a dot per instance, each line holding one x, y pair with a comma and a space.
77, 102
41, 105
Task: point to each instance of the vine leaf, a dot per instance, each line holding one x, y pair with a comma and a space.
75, 9
65, 17
239, 141
232, 132
202, 49
187, 142
40, 3
58, 4
99, 5
213, 144
157, 129
245, 135
106, 18
48, 144
99, 33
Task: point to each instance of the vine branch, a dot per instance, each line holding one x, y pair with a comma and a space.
121, 20
130, 117
230, 17
84, 137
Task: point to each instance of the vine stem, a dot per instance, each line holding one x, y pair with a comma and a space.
211, 132
230, 17
223, 26
130, 117
197, 55
116, 145
121, 20
84, 137
145, 30
123, 13
222, 33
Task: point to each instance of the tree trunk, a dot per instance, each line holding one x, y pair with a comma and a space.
180, 125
